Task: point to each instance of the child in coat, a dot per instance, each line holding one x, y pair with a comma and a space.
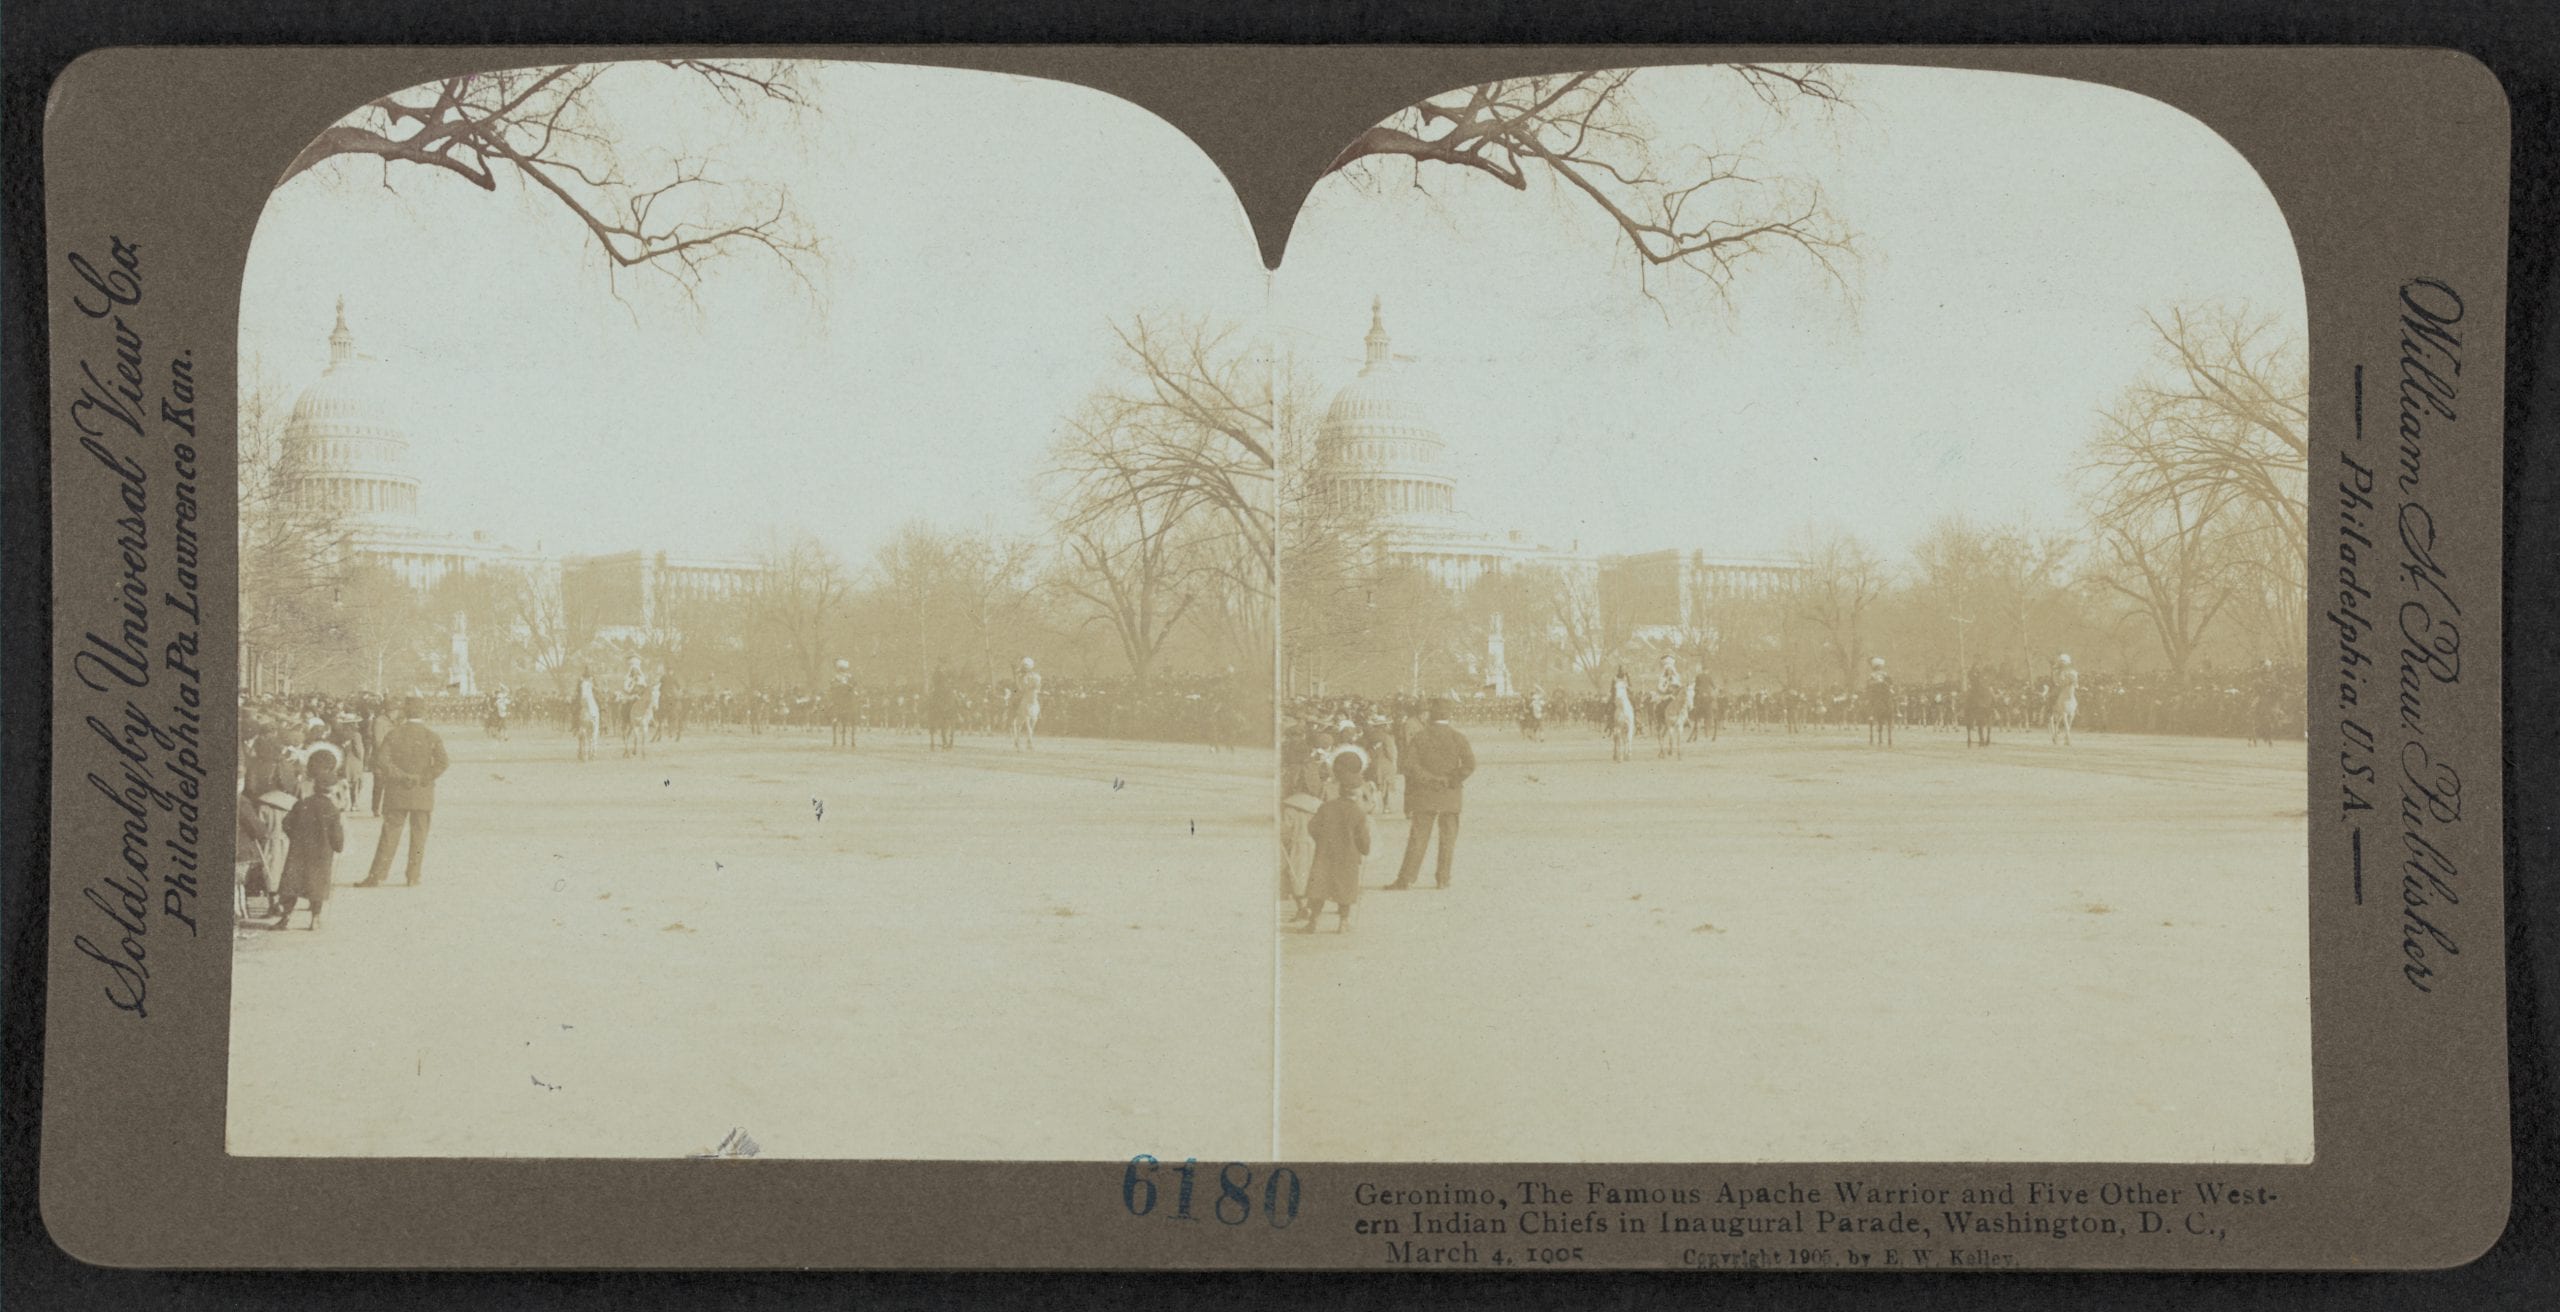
1340, 830
315, 835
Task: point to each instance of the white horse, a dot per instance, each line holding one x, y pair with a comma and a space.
1026, 709
642, 713
1670, 722
2066, 702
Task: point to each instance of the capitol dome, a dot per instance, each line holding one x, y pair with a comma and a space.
1378, 441
345, 444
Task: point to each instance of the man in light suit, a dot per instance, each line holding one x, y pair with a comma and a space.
412, 759
1436, 765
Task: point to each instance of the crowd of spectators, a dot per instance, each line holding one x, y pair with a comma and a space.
2202, 703
1214, 709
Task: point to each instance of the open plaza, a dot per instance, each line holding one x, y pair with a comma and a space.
1794, 947
884, 953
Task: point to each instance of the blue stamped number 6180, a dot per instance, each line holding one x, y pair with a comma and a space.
1234, 1205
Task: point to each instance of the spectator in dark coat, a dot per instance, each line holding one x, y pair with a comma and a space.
412, 759
1436, 765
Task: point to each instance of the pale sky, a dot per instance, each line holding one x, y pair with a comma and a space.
972, 268
2013, 230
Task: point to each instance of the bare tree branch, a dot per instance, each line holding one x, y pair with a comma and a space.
539, 127
1583, 132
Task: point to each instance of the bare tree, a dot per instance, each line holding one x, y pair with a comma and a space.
537, 609
1953, 584
2225, 410
1194, 422
1841, 583
800, 590
541, 128
916, 574
2165, 542
1711, 213
991, 579
2028, 569
1129, 548
1589, 620
2230, 403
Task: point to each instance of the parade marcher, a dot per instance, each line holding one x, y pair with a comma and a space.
1879, 704
314, 836
413, 759
1340, 833
2065, 703
1436, 765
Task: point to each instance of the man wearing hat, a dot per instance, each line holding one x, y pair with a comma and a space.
1436, 765
412, 759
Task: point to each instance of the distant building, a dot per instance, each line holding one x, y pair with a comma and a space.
628, 594
346, 451
1378, 448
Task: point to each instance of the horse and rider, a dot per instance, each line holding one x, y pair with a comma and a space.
589, 715
639, 704
2063, 705
1670, 708
1622, 717
1026, 705
1878, 700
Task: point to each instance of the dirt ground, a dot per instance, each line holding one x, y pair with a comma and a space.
969, 955
1777, 948
1795, 948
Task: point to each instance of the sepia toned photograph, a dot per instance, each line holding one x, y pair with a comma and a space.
1792, 640
755, 626
1228, 657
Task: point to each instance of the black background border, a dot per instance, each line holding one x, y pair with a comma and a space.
2519, 40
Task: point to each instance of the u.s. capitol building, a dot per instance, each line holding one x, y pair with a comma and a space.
346, 457
1380, 450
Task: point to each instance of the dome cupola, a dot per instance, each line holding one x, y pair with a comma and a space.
1377, 438
346, 443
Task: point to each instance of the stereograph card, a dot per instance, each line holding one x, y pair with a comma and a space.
1417, 659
